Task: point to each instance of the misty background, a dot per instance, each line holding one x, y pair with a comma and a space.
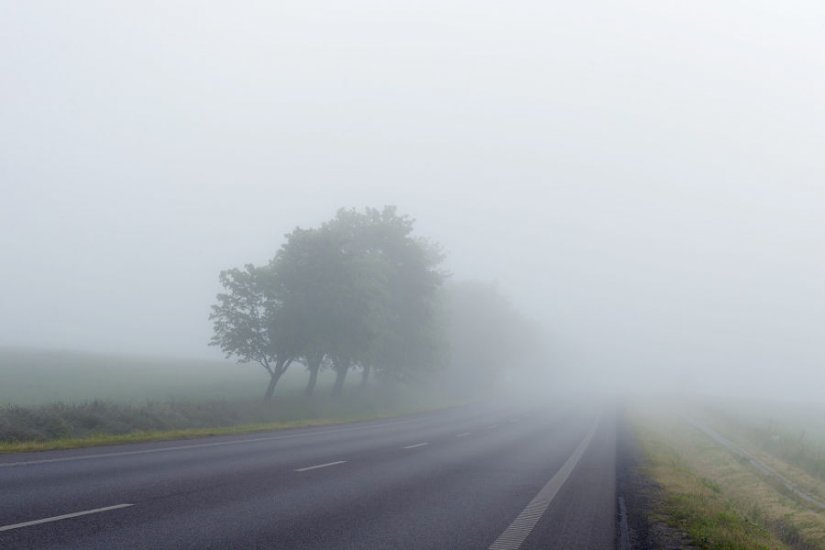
643, 178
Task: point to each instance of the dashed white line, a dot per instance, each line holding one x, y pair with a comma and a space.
317, 466
416, 445
513, 537
64, 516
463, 434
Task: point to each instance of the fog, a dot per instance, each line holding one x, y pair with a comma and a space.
644, 178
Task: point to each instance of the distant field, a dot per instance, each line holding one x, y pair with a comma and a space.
36, 377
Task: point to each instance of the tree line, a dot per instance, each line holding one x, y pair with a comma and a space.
360, 292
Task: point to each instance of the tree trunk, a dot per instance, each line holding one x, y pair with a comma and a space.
365, 376
313, 378
270, 389
275, 375
340, 376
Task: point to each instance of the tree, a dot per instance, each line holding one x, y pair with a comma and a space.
398, 279
250, 324
407, 342
297, 272
327, 291
487, 335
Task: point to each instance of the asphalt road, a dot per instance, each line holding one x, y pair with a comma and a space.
507, 477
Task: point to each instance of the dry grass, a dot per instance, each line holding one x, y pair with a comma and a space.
717, 498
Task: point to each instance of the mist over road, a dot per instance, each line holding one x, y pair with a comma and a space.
506, 476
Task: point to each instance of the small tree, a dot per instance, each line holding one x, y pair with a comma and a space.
250, 324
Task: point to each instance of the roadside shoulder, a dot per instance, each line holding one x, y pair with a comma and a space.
641, 499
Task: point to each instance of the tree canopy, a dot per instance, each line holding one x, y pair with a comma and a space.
358, 291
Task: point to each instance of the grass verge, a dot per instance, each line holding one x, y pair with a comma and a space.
792, 444
190, 433
69, 426
717, 498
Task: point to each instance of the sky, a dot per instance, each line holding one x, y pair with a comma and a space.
645, 178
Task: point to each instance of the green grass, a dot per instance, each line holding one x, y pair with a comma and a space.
101, 439
794, 434
92, 419
718, 500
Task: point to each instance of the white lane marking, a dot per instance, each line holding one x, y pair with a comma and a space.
416, 445
463, 434
195, 446
64, 516
513, 537
328, 464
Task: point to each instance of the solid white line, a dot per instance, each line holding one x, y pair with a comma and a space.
513, 537
64, 516
308, 468
463, 434
416, 445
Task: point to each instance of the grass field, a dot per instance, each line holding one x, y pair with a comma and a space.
718, 498
36, 377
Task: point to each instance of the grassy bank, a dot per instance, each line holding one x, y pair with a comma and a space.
783, 435
101, 423
715, 497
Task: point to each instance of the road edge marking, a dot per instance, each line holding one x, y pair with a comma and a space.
516, 533
62, 517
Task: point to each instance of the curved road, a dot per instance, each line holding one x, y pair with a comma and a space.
505, 477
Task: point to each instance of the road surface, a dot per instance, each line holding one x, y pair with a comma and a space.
505, 477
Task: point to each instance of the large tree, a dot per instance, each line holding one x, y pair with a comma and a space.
328, 293
406, 342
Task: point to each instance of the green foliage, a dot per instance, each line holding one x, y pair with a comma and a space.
248, 319
360, 290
